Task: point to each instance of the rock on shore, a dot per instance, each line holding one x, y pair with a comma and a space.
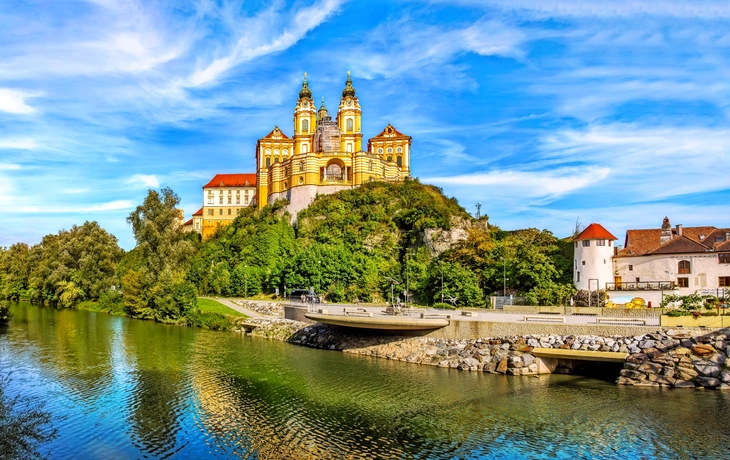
667, 358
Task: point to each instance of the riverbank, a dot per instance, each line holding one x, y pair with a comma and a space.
673, 358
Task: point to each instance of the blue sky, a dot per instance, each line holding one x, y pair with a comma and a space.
615, 112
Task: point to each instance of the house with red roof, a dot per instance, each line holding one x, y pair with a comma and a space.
657, 261
224, 196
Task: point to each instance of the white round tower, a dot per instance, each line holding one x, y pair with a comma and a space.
592, 267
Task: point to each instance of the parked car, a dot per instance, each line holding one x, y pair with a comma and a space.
303, 296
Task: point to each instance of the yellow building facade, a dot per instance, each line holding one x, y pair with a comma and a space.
223, 198
326, 154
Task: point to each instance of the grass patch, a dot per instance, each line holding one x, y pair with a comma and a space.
213, 306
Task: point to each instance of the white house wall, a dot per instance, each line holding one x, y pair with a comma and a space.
704, 270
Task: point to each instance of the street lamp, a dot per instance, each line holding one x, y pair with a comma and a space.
442, 281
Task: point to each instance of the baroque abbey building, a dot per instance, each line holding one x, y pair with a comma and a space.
326, 155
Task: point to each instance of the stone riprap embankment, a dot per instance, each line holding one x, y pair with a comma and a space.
262, 307
679, 360
664, 358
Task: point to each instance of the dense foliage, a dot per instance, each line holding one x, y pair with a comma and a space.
368, 243
64, 269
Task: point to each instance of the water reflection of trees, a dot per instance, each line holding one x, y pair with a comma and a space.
157, 401
76, 347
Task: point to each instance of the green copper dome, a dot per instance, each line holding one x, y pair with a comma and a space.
349, 90
305, 91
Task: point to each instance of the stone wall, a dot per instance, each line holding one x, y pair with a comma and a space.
608, 312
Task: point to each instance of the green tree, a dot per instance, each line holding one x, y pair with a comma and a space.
162, 253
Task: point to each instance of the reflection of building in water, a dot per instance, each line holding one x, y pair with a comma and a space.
326, 155
654, 262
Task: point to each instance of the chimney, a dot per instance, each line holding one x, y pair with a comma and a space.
679, 229
666, 231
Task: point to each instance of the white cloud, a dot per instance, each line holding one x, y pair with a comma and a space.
22, 144
13, 101
708, 9
111, 206
144, 180
9, 167
535, 186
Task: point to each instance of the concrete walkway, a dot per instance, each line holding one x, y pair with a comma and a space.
233, 306
486, 315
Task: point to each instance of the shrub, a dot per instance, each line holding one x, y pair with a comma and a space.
5, 313
444, 306
209, 320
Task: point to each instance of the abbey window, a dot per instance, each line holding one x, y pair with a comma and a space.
305, 126
238, 197
220, 199
349, 125
211, 198
268, 162
370, 165
399, 161
230, 197
301, 166
349, 148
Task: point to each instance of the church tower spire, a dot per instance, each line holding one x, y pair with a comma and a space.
348, 119
305, 119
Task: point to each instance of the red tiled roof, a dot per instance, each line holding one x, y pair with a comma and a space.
679, 245
232, 180
390, 131
276, 132
595, 232
190, 222
646, 241
199, 212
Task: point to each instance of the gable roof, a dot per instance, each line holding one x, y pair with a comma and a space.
679, 245
692, 240
276, 133
199, 212
232, 180
190, 223
390, 132
595, 232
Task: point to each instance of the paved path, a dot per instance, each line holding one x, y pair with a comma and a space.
233, 306
486, 315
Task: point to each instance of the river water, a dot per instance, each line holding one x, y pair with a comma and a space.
134, 389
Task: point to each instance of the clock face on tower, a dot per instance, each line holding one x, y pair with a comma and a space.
349, 103
305, 104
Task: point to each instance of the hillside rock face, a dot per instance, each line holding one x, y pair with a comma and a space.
438, 240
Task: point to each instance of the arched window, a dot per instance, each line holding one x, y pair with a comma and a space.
349, 148
268, 162
349, 124
390, 158
390, 150
380, 151
334, 172
305, 126
683, 267
285, 152
301, 166
301, 180
399, 161
268, 151
305, 148
276, 152
399, 149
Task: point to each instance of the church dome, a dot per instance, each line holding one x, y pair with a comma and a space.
349, 89
305, 91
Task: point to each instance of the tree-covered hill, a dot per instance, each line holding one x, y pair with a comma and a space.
360, 243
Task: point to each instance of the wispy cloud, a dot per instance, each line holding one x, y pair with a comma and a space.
144, 180
21, 144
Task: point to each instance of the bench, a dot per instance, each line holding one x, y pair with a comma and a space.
357, 312
435, 315
560, 319
467, 313
621, 320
